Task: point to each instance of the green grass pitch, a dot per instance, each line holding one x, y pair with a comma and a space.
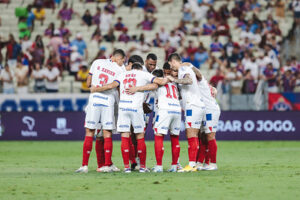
247, 170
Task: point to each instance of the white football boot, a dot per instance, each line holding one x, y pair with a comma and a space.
199, 166
82, 169
157, 169
211, 167
173, 168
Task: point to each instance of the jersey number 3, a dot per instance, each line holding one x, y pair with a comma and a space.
103, 79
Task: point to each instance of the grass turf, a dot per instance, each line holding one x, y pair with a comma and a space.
247, 170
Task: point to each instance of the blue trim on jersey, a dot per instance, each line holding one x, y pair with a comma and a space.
189, 112
157, 118
90, 73
153, 79
117, 81
208, 117
151, 101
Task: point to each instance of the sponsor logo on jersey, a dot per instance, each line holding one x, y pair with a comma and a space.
61, 127
124, 101
174, 104
174, 112
137, 127
108, 123
99, 105
100, 97
123, 126
30, 123
129, 110
165, 128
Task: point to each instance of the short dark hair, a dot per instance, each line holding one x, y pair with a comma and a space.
136, 59
119, 52
174, 56
151, 56
158, 73
166, 66
137, 66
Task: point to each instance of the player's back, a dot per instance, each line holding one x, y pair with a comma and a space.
190, 93
130, 79
104, 72
168, 97
206, 93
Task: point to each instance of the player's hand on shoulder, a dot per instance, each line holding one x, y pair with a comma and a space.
131, 90
93, 89
170, 78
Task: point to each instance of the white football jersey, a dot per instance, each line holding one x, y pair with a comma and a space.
129, 79
190, 93
168, 97
104, 72
206, 94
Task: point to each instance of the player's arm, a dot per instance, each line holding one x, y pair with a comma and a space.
160, 81
89, 80
105, 87
151, 86
195, 70
186, 80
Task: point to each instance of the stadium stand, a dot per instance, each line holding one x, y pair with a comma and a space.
234, 43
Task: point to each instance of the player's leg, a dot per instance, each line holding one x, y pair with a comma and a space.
123, 126
134, 160
212, 119
201, 151
138, 123
175, 131
192, 122
91, 120
99, 148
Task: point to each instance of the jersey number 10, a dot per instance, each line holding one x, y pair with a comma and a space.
174, 90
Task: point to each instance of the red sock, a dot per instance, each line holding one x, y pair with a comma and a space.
212, 147
206, 155
99, 147
142, 151
201, 152
131, 152
175, 149
108, 147
193, 148
159, 149
125, 151
87, 148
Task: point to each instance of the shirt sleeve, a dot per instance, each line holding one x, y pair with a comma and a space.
118, 79
149, 77
92, 69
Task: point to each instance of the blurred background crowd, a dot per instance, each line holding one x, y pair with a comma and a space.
48, 45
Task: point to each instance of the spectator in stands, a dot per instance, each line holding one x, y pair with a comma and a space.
40, 14
223, 29
169, 49
272, 55
187, 13
214, 63
23, 28
49, 32
288, 81
209, 28
21, 74
163, 35
97, 35
235, 78
101, 53
150, 7
196, 30
54, 60
6, 77
110, 37
140, 47
30, 18
216, 45
141, 3
296, 9
82, 77
201, 56
249, 85
76, 59
235, 54
279, 6
182, 29
64, 53
81, 45
252, 67
13, 49
37, 75
119, 25
55, 42
270, 75
65, 13
157, 42
96, 17
87, 18
174, 40
193, 60
38, 52
106, 21
124, 37
147, 24
2, 45
64, 31
236, 11
51, 75
110, 7
217, 78
128, 3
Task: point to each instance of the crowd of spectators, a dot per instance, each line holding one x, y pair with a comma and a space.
239, 62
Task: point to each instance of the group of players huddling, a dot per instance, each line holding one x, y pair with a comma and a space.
137, 89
